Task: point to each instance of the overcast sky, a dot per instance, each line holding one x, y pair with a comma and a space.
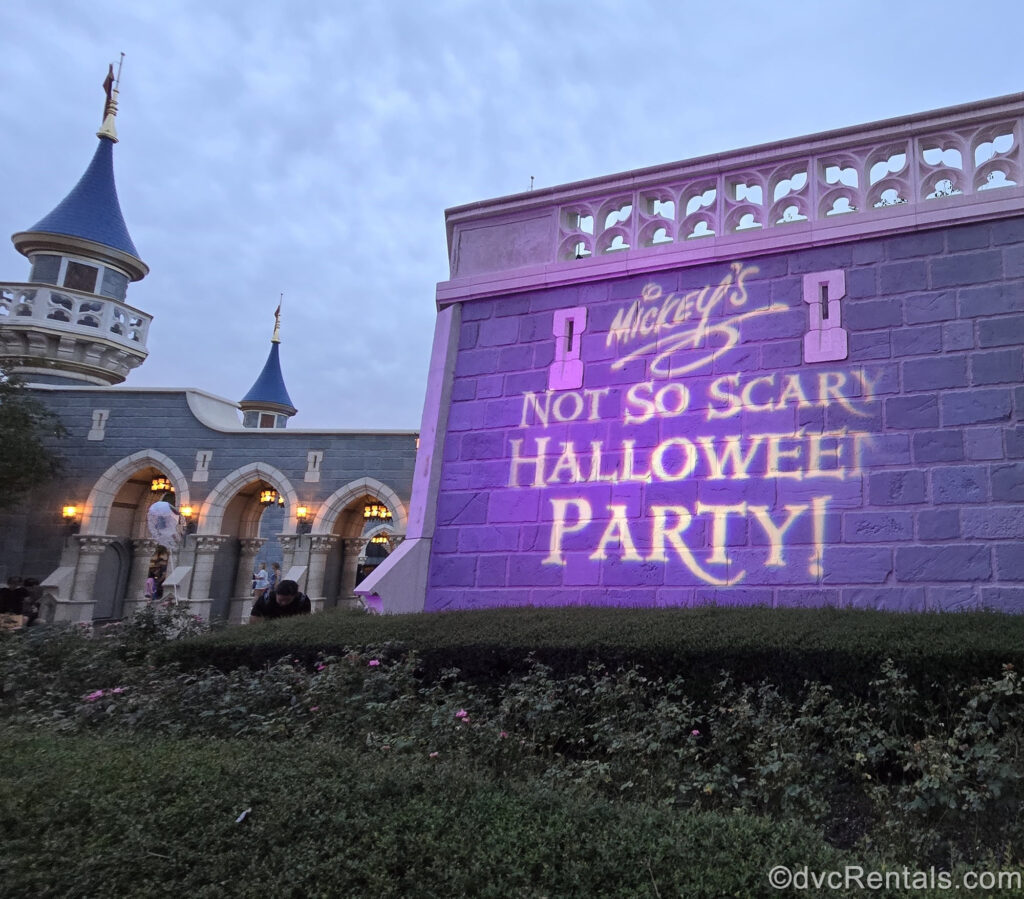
311, 148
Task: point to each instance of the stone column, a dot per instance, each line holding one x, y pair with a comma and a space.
289, 545
83, 599
241, 598
142, 552
320, 547
354, 547
207, 546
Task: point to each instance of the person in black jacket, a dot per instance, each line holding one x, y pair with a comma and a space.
286, 600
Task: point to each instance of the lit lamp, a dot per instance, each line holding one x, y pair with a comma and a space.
268, 497
189, 514
303, 524
376, 512
380, 538
70, 516
161, 485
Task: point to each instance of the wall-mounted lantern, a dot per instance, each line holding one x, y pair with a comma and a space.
376, 512
161, 485
191, 516
71, 518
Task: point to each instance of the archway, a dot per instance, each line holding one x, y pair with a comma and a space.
116, 512
242, 521
353, 516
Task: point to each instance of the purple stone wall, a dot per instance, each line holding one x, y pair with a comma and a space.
702, 459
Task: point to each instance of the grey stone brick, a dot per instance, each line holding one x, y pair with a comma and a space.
1013, 261
942, 563
872, 314
821, 259
936, 373
983, 443
958, 336
1002, 599
994, 523
966, 268
896, 488
918, 341
938, 524
902, 277
960, 484
930, 307
891, 599
991, 299
1008, 482
477, 310
468, 335
861, 283
787, 597
968, 237
953, 599
1004, 366
1013, 440
857, 565
920, 243
920, 411
1010, 562
1007, 330
868, 345
1008, 231
939, 446
877, 527
975, 406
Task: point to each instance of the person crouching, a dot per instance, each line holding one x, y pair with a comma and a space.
286, 600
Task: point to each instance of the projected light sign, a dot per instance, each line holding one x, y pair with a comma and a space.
661, 442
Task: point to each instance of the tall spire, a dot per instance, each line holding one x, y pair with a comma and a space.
267, 404
91, 212
111, 87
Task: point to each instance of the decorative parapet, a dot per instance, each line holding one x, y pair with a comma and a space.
70, 310
100, 337
958, 164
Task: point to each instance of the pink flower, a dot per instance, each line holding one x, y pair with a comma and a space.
118, 689
385, 747
503, 735
92, 697
434, 755
314, 708
320, 666
694, 733
373, 663
462, 713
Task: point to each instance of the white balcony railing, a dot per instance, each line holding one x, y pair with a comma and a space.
957, 164
61, 309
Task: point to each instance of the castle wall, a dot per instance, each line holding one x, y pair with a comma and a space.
680, 444
135, 422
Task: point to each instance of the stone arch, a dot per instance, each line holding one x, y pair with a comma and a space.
338, 501
96, 516
211, 519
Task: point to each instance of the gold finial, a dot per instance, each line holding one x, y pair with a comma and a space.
110, 88
277, 322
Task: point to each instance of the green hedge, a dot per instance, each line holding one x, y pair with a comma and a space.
843, 648
84, 816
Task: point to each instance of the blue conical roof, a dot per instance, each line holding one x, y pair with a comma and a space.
92, 210
269, 388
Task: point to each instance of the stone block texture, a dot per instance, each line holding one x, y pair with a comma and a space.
702, 460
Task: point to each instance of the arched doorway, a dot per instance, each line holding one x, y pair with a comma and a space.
120, 584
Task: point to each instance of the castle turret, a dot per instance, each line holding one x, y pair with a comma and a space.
267, 404
70, 323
